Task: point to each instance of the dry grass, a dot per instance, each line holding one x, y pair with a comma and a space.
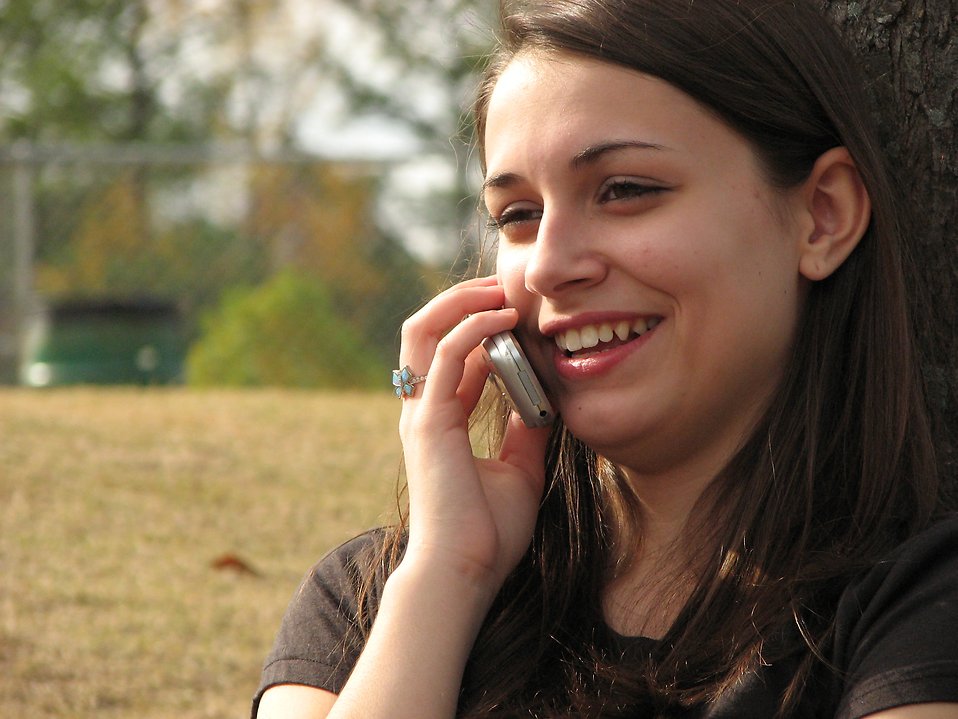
114, 505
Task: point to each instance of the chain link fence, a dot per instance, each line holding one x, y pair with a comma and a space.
188, 228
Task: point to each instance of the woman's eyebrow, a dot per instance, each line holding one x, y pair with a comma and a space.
500, 179
594, 152
583, 157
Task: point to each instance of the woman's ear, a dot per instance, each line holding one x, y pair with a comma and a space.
840, 209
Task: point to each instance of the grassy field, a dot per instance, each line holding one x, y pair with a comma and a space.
115, 506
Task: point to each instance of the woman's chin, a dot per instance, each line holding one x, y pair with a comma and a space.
602, 428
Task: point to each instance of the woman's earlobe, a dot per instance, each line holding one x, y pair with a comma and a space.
838, 203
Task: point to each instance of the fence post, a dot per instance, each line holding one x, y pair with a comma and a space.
23, 244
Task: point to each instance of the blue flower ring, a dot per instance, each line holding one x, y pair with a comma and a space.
404, 382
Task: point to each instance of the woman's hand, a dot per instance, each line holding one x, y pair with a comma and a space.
470, 522
470, 515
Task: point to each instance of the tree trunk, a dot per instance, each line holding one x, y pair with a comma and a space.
909, 51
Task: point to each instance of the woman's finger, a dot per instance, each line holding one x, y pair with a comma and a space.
449, 362
474, 377
422, 332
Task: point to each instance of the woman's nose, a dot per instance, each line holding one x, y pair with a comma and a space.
562, 258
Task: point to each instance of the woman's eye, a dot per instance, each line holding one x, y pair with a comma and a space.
516, 215
623, 188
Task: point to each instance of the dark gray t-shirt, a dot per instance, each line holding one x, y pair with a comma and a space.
896, 638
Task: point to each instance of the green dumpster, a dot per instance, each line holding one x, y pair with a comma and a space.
114, 341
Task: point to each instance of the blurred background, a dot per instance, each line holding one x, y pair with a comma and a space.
214, 216
216, 191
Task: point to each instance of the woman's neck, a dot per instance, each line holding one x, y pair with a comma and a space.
665, 504
655, 570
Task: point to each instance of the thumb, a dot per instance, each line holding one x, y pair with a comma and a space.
525, 449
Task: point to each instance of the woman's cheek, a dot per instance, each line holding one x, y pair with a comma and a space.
510, 271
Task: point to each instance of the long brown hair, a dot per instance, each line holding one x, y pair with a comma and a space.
840, 468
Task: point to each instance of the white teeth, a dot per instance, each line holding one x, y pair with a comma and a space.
589, 336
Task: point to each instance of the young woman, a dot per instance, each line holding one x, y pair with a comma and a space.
736, 516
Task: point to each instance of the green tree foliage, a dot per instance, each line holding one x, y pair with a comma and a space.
420, 70
141, 72
82, 70
427, 53
321, 220
91, 244
283, 333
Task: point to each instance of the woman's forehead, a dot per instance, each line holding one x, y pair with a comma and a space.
569, 104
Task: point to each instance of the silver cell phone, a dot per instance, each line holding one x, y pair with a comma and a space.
514, 376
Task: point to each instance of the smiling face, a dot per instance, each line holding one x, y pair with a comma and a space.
654, 268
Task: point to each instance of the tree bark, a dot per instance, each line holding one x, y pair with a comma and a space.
909, 51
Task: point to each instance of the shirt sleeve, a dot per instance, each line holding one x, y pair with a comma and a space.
319, 639
897, 630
